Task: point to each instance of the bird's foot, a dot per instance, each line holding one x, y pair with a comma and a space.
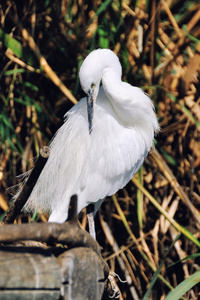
113, 274
114, 288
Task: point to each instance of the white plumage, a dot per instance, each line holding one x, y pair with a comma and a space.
97, 163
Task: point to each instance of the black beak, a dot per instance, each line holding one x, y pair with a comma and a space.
90, 107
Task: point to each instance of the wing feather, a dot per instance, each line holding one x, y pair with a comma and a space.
91, 165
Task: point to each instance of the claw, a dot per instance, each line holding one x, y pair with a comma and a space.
116, 293
116, 275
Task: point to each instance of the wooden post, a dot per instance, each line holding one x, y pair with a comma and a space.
37, 273
28, 273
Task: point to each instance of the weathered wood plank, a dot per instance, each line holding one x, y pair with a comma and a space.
29, 295
82, 274
37, 273
28, 268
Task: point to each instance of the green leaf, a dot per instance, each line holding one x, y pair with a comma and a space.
195, 255
184, 286
6, 121
3, 215
29, 85
12, 144
28, 101
2, 133
194, 39
11, 43
17, 48
168, 157
15, 71
156, 274
6, 102
103, 42
184, 109
102, 7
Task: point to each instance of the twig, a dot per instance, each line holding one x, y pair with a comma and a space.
18, 61
139, 247
28, 187
174, 183
43, 63
171, 17
128, 274
3, 203
167, 216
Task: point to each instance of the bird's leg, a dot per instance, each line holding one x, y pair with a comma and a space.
92, 209
91, 212
91, 224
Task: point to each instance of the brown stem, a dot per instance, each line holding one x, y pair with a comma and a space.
28, 187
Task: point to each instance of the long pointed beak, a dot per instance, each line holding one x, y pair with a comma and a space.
90, 107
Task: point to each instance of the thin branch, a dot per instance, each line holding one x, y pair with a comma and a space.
44, 64
28, 187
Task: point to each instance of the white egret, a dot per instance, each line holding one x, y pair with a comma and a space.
95, 154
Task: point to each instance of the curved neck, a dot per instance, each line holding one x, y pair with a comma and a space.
112, 84
133, 108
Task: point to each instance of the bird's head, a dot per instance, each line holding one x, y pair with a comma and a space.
91, 73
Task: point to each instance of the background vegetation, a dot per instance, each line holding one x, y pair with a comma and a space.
158, 45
